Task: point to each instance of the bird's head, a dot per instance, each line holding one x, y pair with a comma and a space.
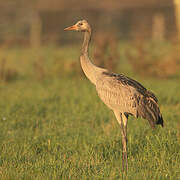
79, 26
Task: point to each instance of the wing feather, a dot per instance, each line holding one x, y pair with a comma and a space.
128, 96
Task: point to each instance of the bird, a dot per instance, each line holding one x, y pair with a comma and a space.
123, 95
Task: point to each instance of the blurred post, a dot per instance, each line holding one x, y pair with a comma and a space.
35, 30
158, 27
177, 11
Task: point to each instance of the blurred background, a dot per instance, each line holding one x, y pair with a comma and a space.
132, 36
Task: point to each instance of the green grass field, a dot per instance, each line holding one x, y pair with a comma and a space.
57, 128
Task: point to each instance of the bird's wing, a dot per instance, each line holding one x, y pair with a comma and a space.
128, 96
118, 92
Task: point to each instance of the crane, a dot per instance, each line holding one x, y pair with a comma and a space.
123, 95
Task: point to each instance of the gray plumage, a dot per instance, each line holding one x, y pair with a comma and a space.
120, 93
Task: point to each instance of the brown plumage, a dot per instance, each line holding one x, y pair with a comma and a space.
120, 93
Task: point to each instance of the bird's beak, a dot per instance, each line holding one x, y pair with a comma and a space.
71, 28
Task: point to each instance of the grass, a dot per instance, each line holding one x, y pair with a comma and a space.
57, 128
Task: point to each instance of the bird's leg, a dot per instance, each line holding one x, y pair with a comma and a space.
122, 119
123, 125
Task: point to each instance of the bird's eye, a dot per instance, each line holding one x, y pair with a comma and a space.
80, 24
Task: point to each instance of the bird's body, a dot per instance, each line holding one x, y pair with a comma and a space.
127, 96
120, 93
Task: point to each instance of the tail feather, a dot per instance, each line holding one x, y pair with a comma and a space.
160, 121
149, 109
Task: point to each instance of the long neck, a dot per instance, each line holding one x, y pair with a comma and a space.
85, 46
91, 71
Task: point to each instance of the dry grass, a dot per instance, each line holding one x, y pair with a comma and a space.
155, 59
7, 73
106, 51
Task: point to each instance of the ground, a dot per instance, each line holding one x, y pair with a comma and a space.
57, 128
